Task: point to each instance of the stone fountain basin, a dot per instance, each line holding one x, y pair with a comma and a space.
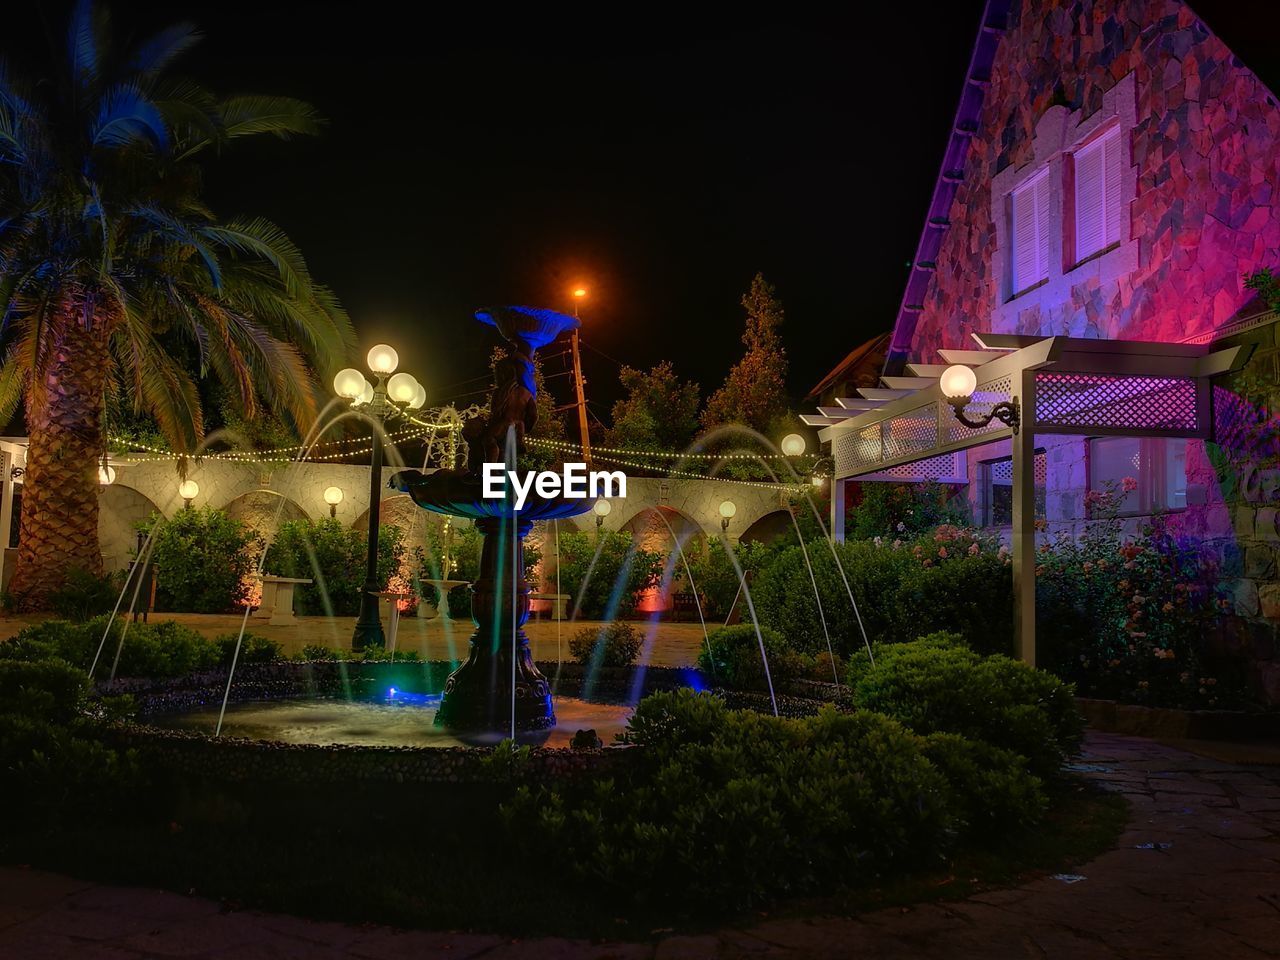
393, 719
458, 493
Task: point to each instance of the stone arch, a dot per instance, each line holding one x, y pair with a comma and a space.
400, 511
768, 527
120, 509
650, 532
259, 509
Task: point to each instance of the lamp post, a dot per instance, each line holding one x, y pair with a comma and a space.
601, 510
727, 509
188, 490
333, 497
376, 401
580, 293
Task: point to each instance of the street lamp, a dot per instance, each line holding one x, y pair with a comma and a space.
106, 474
957, 384
579, 384
793, 445
727, 509
601, 509
188, 490
333, 497
387, 397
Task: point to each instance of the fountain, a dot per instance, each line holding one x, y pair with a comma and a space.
499, 683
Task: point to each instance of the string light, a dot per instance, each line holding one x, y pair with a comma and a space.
655, 454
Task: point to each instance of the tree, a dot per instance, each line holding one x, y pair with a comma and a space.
116, 278
754, 394
658, 413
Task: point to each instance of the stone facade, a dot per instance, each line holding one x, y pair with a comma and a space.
1203, 148
1200, 164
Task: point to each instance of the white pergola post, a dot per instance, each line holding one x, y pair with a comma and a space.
837, 509
1024, 518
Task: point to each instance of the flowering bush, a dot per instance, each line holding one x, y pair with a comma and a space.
1127, 617
905, 510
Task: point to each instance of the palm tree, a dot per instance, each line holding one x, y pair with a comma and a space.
116, 281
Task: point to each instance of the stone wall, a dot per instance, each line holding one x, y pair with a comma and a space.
1205, 148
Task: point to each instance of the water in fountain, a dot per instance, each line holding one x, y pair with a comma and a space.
768, 445
668, 572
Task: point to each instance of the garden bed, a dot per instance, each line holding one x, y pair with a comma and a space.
1168, 723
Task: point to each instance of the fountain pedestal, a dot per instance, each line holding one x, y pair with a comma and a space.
478, 695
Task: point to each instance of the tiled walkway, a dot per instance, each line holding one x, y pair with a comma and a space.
1196, 875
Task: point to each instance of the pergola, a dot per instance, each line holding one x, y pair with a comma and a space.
906, 429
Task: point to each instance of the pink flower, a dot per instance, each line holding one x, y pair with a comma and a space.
1129, 484
973, 549
942, 552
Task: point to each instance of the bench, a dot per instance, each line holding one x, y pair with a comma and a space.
276, 605
684, 603
558, 602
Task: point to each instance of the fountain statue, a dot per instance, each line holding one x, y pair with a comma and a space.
499, 678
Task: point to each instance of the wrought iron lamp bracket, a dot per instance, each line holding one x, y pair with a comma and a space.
1007, 412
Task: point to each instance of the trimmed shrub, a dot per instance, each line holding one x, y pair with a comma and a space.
619, 570
735, 806
85, 594
333, 557
901, 593
202, 559
51, 764
734, 660
993, 789
934, 688
48, 691
162, 648
254, 648
614, 644
714, 574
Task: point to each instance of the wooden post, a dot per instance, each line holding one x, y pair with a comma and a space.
1024, 518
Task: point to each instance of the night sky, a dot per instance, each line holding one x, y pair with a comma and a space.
473, 159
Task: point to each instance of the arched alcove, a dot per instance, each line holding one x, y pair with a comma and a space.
120, 509
657, 528
768, 528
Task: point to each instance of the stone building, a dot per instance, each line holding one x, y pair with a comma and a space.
1113, 174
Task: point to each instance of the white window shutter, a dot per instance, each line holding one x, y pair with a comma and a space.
1116, 221
1044, 228
1024, 239
1031, 229
1090, 201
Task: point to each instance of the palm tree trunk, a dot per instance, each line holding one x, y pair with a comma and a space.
59, 520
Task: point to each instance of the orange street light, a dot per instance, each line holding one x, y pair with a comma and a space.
579, 292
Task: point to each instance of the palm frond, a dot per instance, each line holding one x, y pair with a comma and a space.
127, 116
85, 29
159, 50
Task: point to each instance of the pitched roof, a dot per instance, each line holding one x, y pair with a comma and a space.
874, 347
995, 16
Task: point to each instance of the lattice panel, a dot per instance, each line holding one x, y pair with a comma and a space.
1002, 470
1118, 402
853, 451
931, 468
984, 398
913, 431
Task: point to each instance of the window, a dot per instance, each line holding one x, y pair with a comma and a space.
1158, 467
1099, 212
1031, 229
995, 490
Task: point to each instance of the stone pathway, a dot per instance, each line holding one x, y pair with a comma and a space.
1196, 875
